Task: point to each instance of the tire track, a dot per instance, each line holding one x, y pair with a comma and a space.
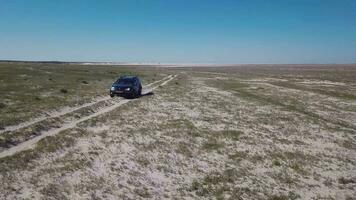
30, 143
65, 111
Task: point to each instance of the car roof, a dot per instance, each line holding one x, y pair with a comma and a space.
128, 77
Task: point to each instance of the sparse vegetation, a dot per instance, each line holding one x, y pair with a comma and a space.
210, 133
50, 81
64, 91
290, 196
217, 184
344, 180
2, 105
212, 144
276, 163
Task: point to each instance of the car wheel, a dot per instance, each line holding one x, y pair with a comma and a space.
112, 95
131, 96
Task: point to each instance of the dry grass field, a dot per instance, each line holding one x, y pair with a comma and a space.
245, 132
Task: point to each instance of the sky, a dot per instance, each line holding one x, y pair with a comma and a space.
179, 31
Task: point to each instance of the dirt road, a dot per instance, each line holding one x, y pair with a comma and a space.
117, 103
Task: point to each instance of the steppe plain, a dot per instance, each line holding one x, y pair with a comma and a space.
223, 132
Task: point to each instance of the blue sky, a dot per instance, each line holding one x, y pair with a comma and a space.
181, 31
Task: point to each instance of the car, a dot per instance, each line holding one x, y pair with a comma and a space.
127, 87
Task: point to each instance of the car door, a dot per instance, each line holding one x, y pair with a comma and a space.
136, 85
139, 83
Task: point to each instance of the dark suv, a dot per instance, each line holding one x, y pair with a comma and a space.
126, 86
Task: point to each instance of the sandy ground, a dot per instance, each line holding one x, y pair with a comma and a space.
205, 135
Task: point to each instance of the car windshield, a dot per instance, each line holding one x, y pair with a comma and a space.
125, 81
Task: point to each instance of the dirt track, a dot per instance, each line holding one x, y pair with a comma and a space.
117, 103
64, 111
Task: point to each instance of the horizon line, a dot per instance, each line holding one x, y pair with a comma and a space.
161, 63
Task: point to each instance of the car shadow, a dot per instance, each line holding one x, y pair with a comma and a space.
142, 95
146, 94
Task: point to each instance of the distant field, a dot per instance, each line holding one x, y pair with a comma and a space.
243, 132
29, 90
